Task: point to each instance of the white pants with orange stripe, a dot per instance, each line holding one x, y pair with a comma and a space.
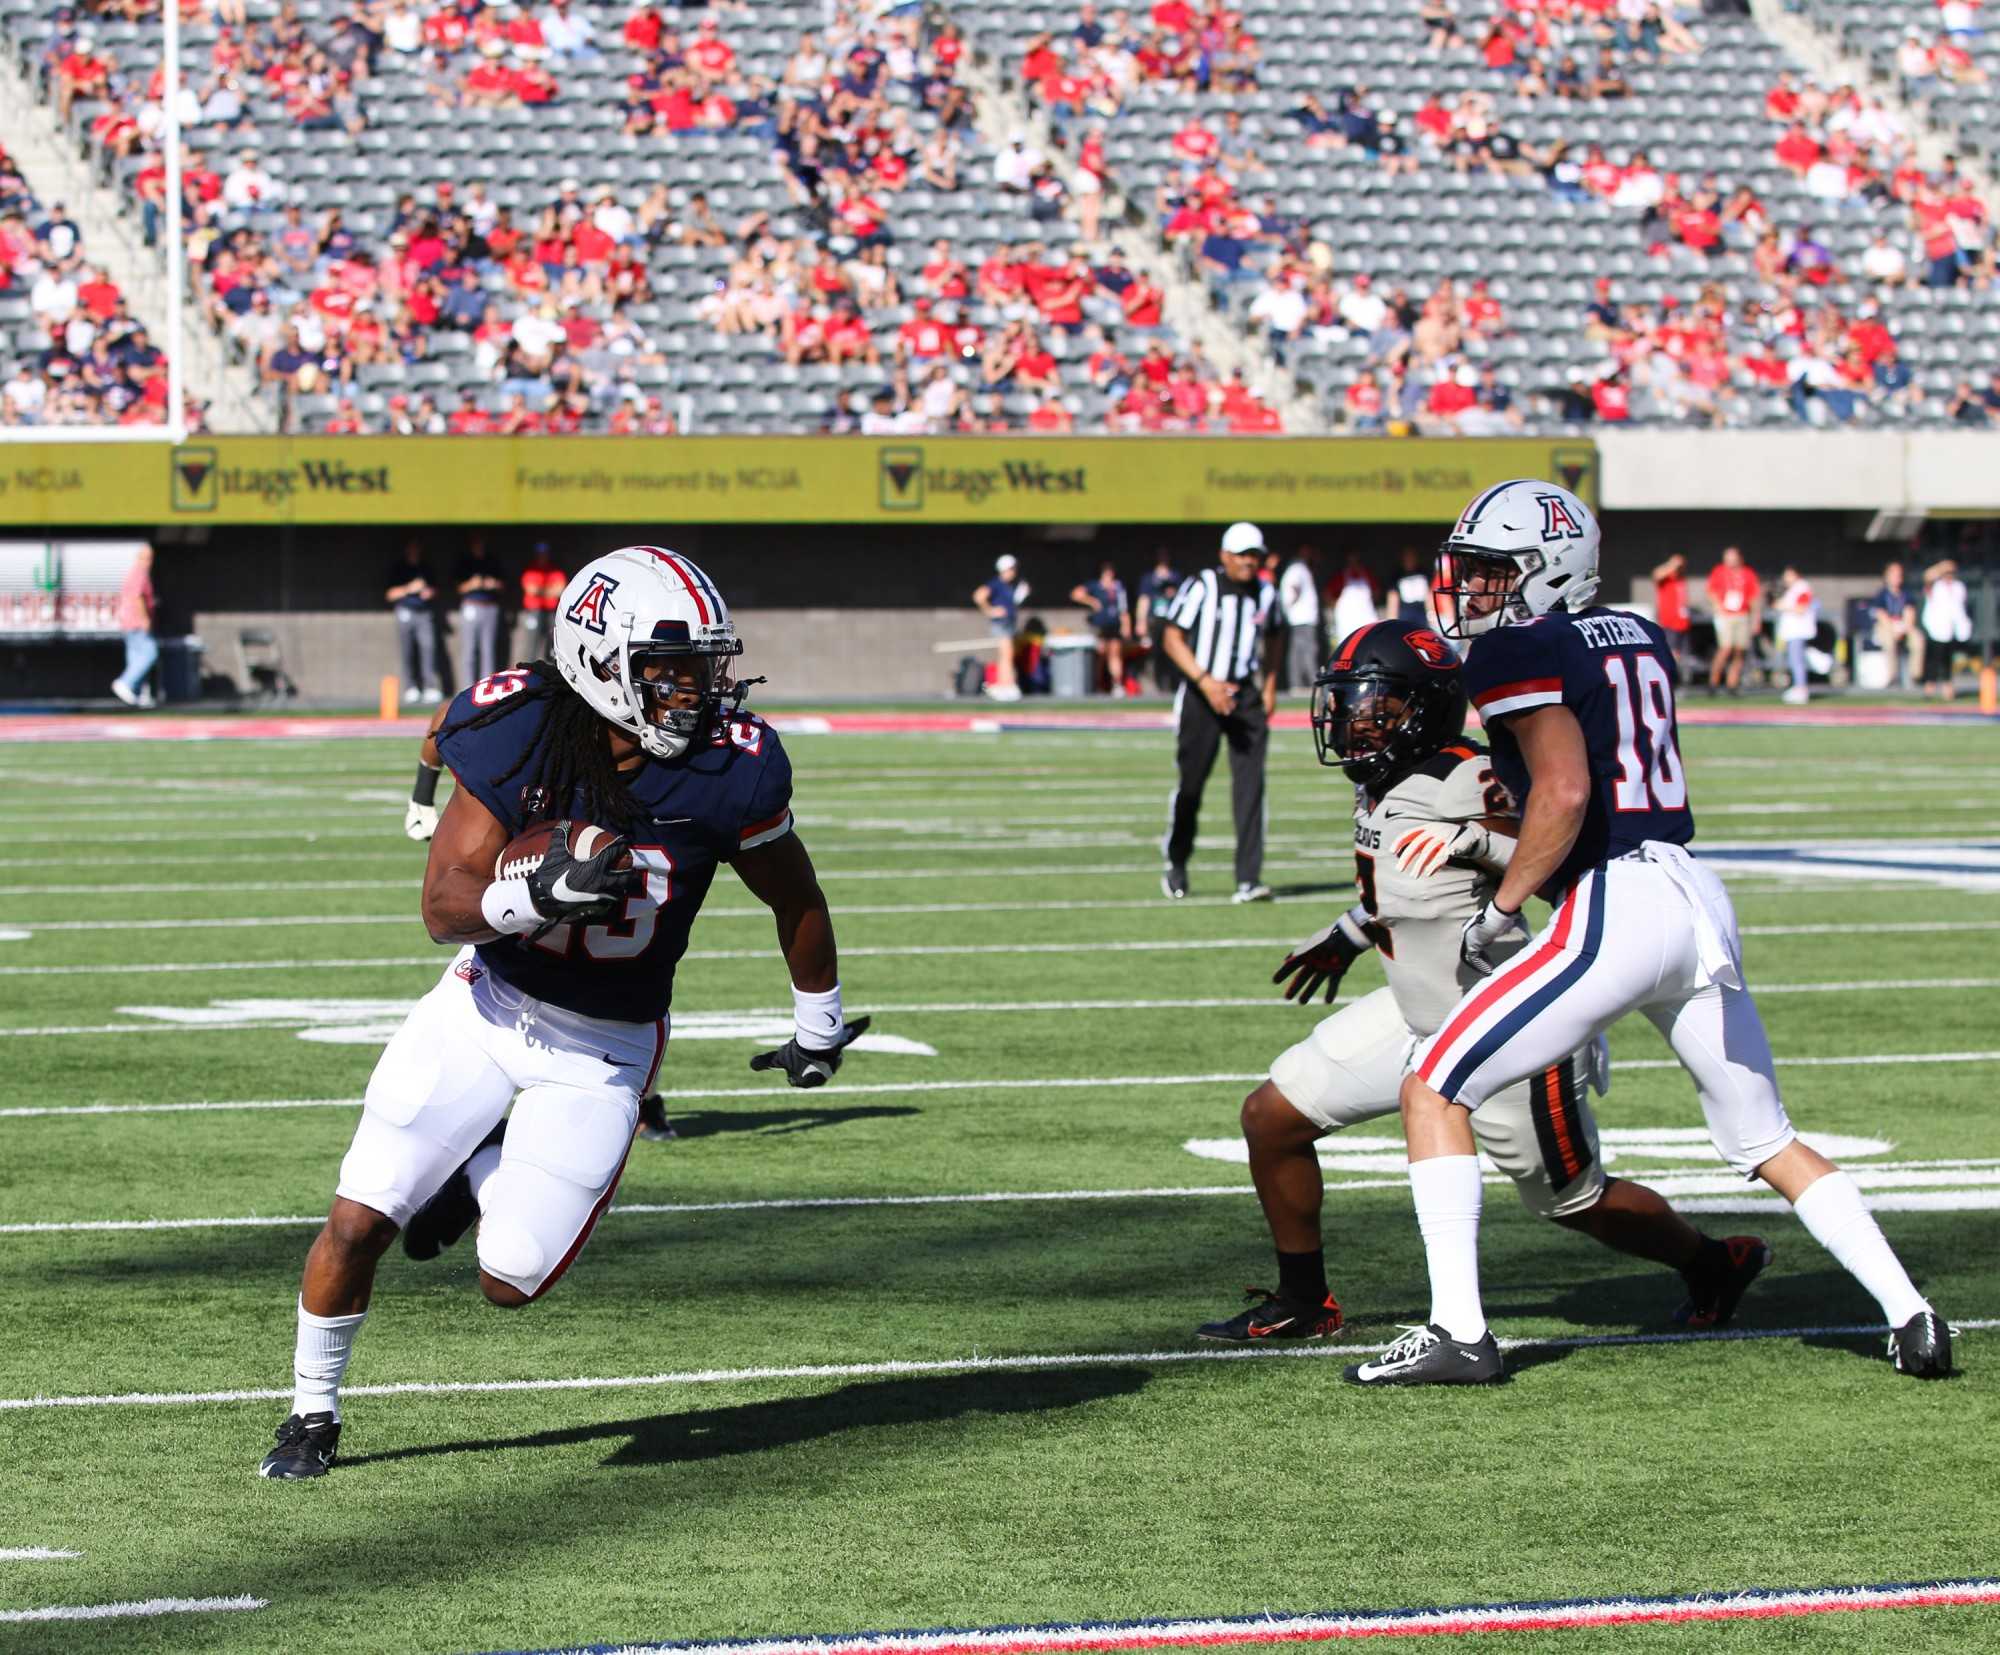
472, 1046
1540, 1133
1653, 932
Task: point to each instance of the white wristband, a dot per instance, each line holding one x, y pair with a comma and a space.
1353, 925
506, 908
817, 1019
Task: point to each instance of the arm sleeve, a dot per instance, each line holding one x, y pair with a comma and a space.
767, 809
1513, 669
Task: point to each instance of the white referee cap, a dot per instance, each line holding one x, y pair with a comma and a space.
1242, 537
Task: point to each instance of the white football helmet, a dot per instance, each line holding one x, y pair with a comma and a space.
1521, 549
645, 605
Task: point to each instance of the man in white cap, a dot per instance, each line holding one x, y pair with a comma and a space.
1215, 634
1000, 601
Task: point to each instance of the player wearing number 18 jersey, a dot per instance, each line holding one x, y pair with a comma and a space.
556, 1004
1578, 704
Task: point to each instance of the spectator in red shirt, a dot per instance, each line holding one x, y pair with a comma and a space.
1670, 605
1797, 150
80, 74
944, 275
1612, 398
1051, 415
922, 337
1195, 143
1737, 598
468, 419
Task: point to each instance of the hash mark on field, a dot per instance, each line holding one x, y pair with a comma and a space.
35, 1554
126, 1611
1330, 1625
960, 1364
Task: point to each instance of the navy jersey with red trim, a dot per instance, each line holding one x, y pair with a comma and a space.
1613, 670
729, 795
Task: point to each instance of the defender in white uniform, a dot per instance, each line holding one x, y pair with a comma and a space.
1433, 830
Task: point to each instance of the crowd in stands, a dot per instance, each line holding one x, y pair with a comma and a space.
71, 351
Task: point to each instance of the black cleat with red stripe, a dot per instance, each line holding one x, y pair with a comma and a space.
1272, 1316
1719, 1278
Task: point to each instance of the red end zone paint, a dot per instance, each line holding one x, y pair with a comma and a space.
1753, 1603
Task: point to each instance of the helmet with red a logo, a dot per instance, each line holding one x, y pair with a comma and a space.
1520, 550
645, 638
1391, 696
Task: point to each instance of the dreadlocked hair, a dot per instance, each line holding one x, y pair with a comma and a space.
570, 757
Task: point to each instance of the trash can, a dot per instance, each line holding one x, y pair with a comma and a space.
1072, 667
180, 668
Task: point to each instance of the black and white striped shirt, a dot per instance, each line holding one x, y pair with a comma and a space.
1225, 625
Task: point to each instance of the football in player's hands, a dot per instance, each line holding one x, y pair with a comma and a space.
807, 1066
574, 870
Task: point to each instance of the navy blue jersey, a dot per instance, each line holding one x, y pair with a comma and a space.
1615, 672
713, 801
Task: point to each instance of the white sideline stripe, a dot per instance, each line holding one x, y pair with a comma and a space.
952, 1008
891, 1089
34, 1554
874, 910
1953, 1175
128, 1611
960, 1364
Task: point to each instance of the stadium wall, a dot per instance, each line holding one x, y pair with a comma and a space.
853, 594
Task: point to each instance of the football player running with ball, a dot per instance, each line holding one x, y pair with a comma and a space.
1578, 702
1433, 832
557, 1000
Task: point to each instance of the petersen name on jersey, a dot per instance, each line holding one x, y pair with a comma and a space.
1415, 919
730, 795
1614, 671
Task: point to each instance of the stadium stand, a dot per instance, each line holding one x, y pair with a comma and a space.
1566, 213
592, 218
770, 216
71, 352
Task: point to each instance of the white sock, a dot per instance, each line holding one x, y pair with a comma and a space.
1833, 1211
1448, 1196
484, 1163
320, 1359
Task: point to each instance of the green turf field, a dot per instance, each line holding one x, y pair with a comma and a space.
997, 900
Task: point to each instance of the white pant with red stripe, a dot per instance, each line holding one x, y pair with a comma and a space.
1652, 932
469, 1048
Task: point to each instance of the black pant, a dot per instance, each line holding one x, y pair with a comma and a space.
1199, 736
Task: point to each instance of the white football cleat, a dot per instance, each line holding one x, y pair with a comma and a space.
118, 689
420, 821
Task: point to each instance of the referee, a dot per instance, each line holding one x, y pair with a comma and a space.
1215, 634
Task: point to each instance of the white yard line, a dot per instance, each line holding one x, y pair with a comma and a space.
961, 1364
955, 1008
130, 1611
691, 1094
35, 1554
1965, 1176
893, 909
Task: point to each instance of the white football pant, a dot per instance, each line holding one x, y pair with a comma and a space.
469, 1048
1652, 932
1540, 1133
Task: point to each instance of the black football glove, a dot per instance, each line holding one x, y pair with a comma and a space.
805, 1066
564, 889
1323, 959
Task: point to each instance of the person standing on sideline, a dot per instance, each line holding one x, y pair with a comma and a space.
1156, 596
1298, 598
1894, 620
1798, 625
1947, 624
1738, 598
479, 585
1413, 590
1110, 621
1215, 635
135, 620
1353, 598
1670, 607
1000, 601
541, 584
410, 595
